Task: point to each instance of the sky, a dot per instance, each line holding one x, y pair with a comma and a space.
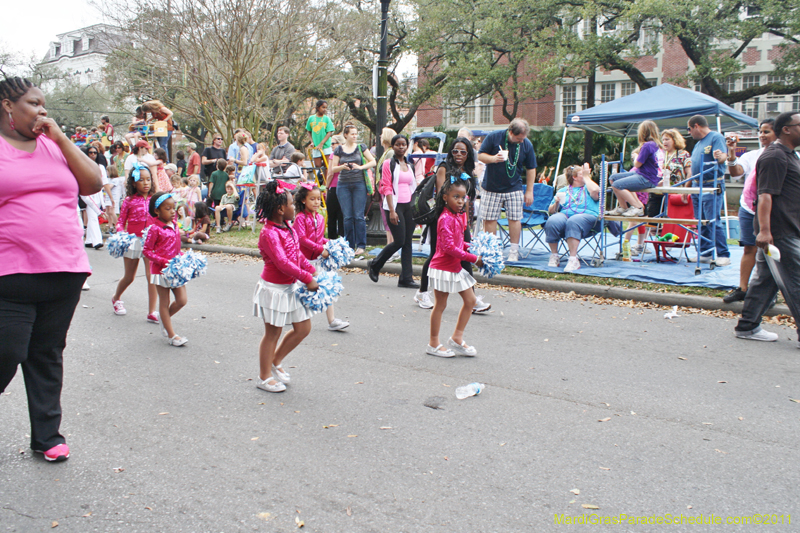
29, 31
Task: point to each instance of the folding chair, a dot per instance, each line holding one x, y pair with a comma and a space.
686, 235
533, 219
594, 242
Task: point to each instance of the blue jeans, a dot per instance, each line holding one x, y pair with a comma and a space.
578, 226
352, 197
763, 288
707, 213
163, 142
630, 181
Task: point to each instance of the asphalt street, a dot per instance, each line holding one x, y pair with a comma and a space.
585, 405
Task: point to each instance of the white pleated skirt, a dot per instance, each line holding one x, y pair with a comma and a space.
278, 304
134, 251
451, 282
158, 279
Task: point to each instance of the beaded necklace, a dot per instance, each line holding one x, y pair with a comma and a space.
511, 168
579, 200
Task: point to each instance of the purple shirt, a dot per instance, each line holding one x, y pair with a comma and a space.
647, 157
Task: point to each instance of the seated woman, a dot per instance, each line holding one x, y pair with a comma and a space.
574, 211
645, 173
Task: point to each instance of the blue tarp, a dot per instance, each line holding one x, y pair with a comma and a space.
668, 105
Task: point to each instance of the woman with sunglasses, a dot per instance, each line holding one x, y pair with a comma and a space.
460, 160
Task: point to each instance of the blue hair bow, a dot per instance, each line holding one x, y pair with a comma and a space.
464, 176
137, 175
160, 199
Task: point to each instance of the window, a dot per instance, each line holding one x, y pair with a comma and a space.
750, 108
627, 87
649, 37
469, 113
697, 87
796, 103
608, 92
486, 110
728, 84
569, 98
776, 79
751, 80
56, 50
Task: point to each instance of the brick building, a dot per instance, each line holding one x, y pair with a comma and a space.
669, 65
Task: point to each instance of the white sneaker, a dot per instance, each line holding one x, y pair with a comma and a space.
119, 309
513, 256
636, 250
758, 334
395, 257
633, 212
617, 211
219, 230
573, 264
480, 306
85, 286
723, 261
337, 325
280, 374
178, 341
554, 260
275, 386
423, 299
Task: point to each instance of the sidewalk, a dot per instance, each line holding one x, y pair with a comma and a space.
521, 282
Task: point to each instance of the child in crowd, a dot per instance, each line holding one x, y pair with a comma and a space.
274, 299
198, 234
162, 244
193, 193
295, 173
134, 218
446, 273
216, 183
309, 225
228, 203
180, 165
645, 174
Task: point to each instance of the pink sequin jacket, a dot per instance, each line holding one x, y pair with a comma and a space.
310, 229
283, 262
450, 246
134, 212
162, 244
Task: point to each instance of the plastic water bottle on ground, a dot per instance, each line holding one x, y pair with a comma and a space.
465, 391
626, 250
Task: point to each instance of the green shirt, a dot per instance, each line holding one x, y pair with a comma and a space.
319, 128
217, 181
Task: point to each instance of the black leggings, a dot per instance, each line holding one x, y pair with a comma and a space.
466, 265
335, 215
403, 240
35, 314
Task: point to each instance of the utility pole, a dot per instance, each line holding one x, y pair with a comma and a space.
383, 89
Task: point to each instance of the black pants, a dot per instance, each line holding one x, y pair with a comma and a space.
403, 240
466, 265
35, 314
335, 215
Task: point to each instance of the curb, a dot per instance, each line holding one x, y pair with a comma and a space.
519, 282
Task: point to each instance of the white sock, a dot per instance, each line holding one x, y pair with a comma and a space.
514, 247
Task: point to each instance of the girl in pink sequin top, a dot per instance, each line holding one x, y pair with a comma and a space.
134, 218
163, 242
446, 273
309, 226
275, 300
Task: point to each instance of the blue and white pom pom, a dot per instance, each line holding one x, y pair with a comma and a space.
119, 243
184, 267
487, 247
339, 254
330, 287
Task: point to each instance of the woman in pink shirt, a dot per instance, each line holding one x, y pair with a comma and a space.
397, 185
41, 277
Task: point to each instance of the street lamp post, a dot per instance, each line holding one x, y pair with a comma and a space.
383, 67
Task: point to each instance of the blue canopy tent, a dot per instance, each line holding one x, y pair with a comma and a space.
668, 105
